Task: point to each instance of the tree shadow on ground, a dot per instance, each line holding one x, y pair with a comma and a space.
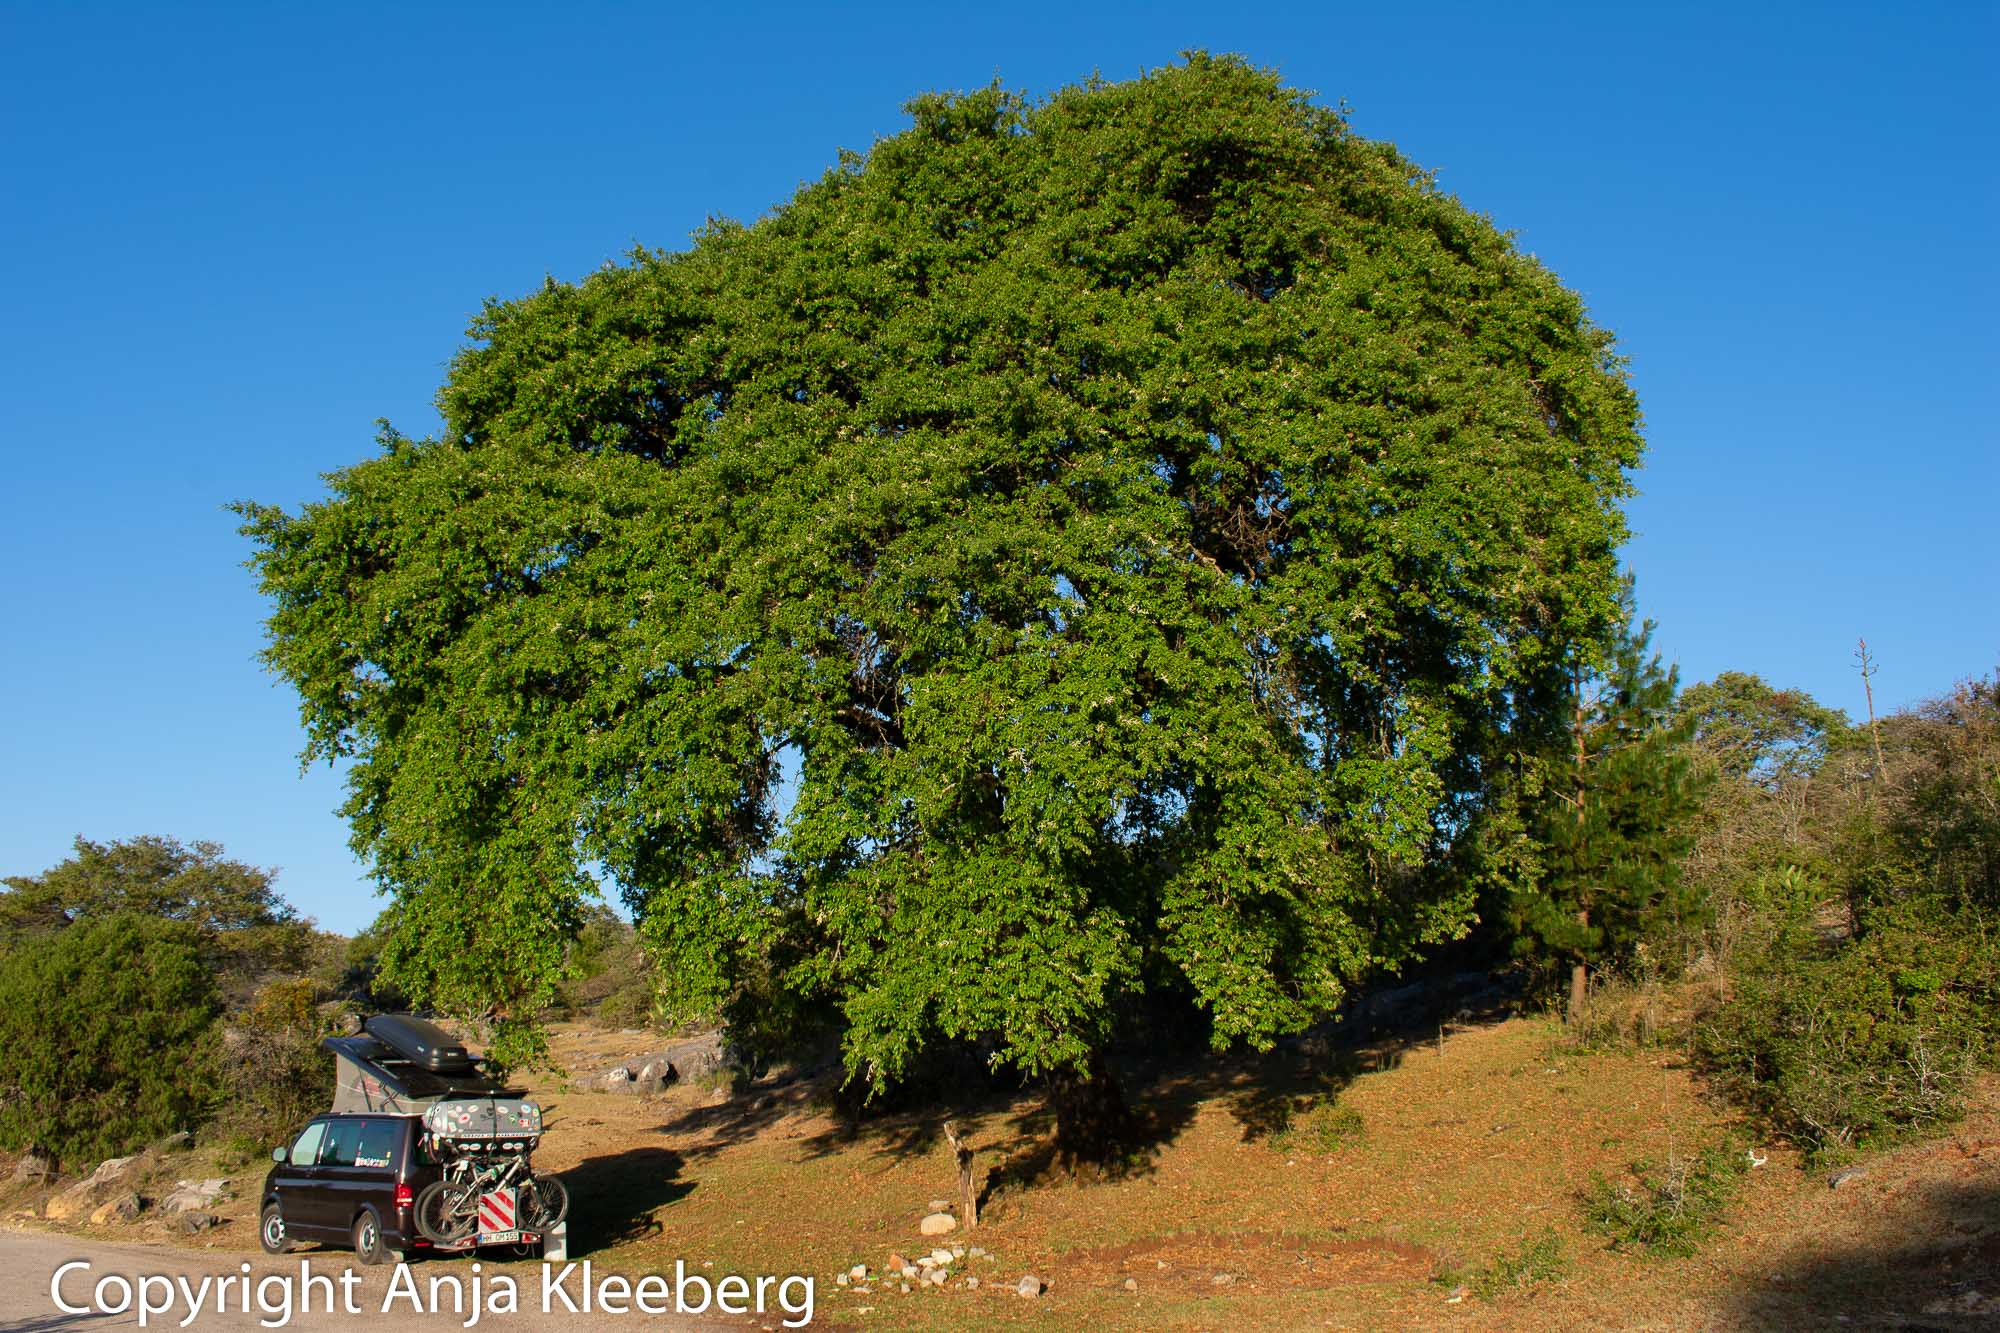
614, 1198
1372, 1034
1165, 1084
1943, 1274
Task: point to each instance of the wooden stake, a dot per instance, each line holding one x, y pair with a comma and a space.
968, 1188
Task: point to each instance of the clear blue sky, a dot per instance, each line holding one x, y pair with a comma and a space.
231, 239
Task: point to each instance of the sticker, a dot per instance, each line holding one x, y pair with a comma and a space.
371, 1161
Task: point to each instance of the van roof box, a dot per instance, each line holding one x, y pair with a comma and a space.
425, 1045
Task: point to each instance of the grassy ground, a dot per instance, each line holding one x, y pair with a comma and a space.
1363, 1189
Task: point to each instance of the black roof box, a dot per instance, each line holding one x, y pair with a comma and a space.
425, 1045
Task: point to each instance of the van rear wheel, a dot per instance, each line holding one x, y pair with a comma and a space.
367, 1235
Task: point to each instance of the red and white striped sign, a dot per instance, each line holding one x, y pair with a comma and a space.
496, 1210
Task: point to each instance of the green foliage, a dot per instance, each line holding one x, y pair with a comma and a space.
1860, 985
1841, 1043
246, 929
106, 1036
1541, 1258
1609, 816
1668, 1211
1134, 519
1321, 1128
275, 1076
1755, 733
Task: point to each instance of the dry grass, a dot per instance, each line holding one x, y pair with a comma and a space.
1471, 1153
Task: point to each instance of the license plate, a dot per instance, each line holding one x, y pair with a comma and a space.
508, 1237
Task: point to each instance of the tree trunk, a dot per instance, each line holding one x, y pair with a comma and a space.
1093, 1124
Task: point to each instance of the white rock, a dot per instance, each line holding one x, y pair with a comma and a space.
941, 1256
938, 1224
1029, 1285
858, 1272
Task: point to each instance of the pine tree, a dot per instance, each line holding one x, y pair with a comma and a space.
1614, 818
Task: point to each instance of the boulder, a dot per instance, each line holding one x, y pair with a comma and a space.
191, 1223
72, 1202
1030, 1285
941, 1256
938, 1224
124, 1208
192, 1196
34, 1165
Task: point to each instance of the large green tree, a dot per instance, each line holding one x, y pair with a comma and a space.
1077, 547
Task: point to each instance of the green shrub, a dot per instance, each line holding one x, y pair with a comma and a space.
107, 1034
1542, 1258
1671, 1210
1840, 1043
1322, 1128
274, 1073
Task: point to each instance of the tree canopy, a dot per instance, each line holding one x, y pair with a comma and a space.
245, 926
1078, 547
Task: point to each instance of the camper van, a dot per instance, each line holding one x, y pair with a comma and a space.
348, 1179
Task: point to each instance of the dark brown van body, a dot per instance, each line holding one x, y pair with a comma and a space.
339, 1182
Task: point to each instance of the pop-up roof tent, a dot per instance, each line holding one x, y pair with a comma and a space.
395, 1066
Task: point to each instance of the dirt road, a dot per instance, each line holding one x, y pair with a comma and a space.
222, 1290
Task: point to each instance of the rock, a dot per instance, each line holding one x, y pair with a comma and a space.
977, 1252
937, 1277
940, 1205
840, 1279
925, 1261
1841, 1179
34, 1165
1030, 1285
1131, 1284
72, 1202
189, 1196
1223, 1279
896, 1262
1456, 1294
909, 1272
617, 1078
108, 1170
957, 1251
192, 1223
905, 1288
859, 1271
121, 1209
971, 1283
938, 1224
942, 1256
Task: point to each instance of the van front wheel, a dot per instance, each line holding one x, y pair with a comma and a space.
271, 1231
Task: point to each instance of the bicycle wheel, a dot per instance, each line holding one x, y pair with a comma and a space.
544, 1202
447, 1212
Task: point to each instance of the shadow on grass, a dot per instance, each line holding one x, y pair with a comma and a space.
613, 1198
1943, 1274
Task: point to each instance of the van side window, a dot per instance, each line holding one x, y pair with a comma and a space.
378, 1143
306, 1150
342, 1138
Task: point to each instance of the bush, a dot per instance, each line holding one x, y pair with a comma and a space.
1843, 1043
106, 1037
1668, 1212
1322, 1128
1542, 1258
274, 1072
